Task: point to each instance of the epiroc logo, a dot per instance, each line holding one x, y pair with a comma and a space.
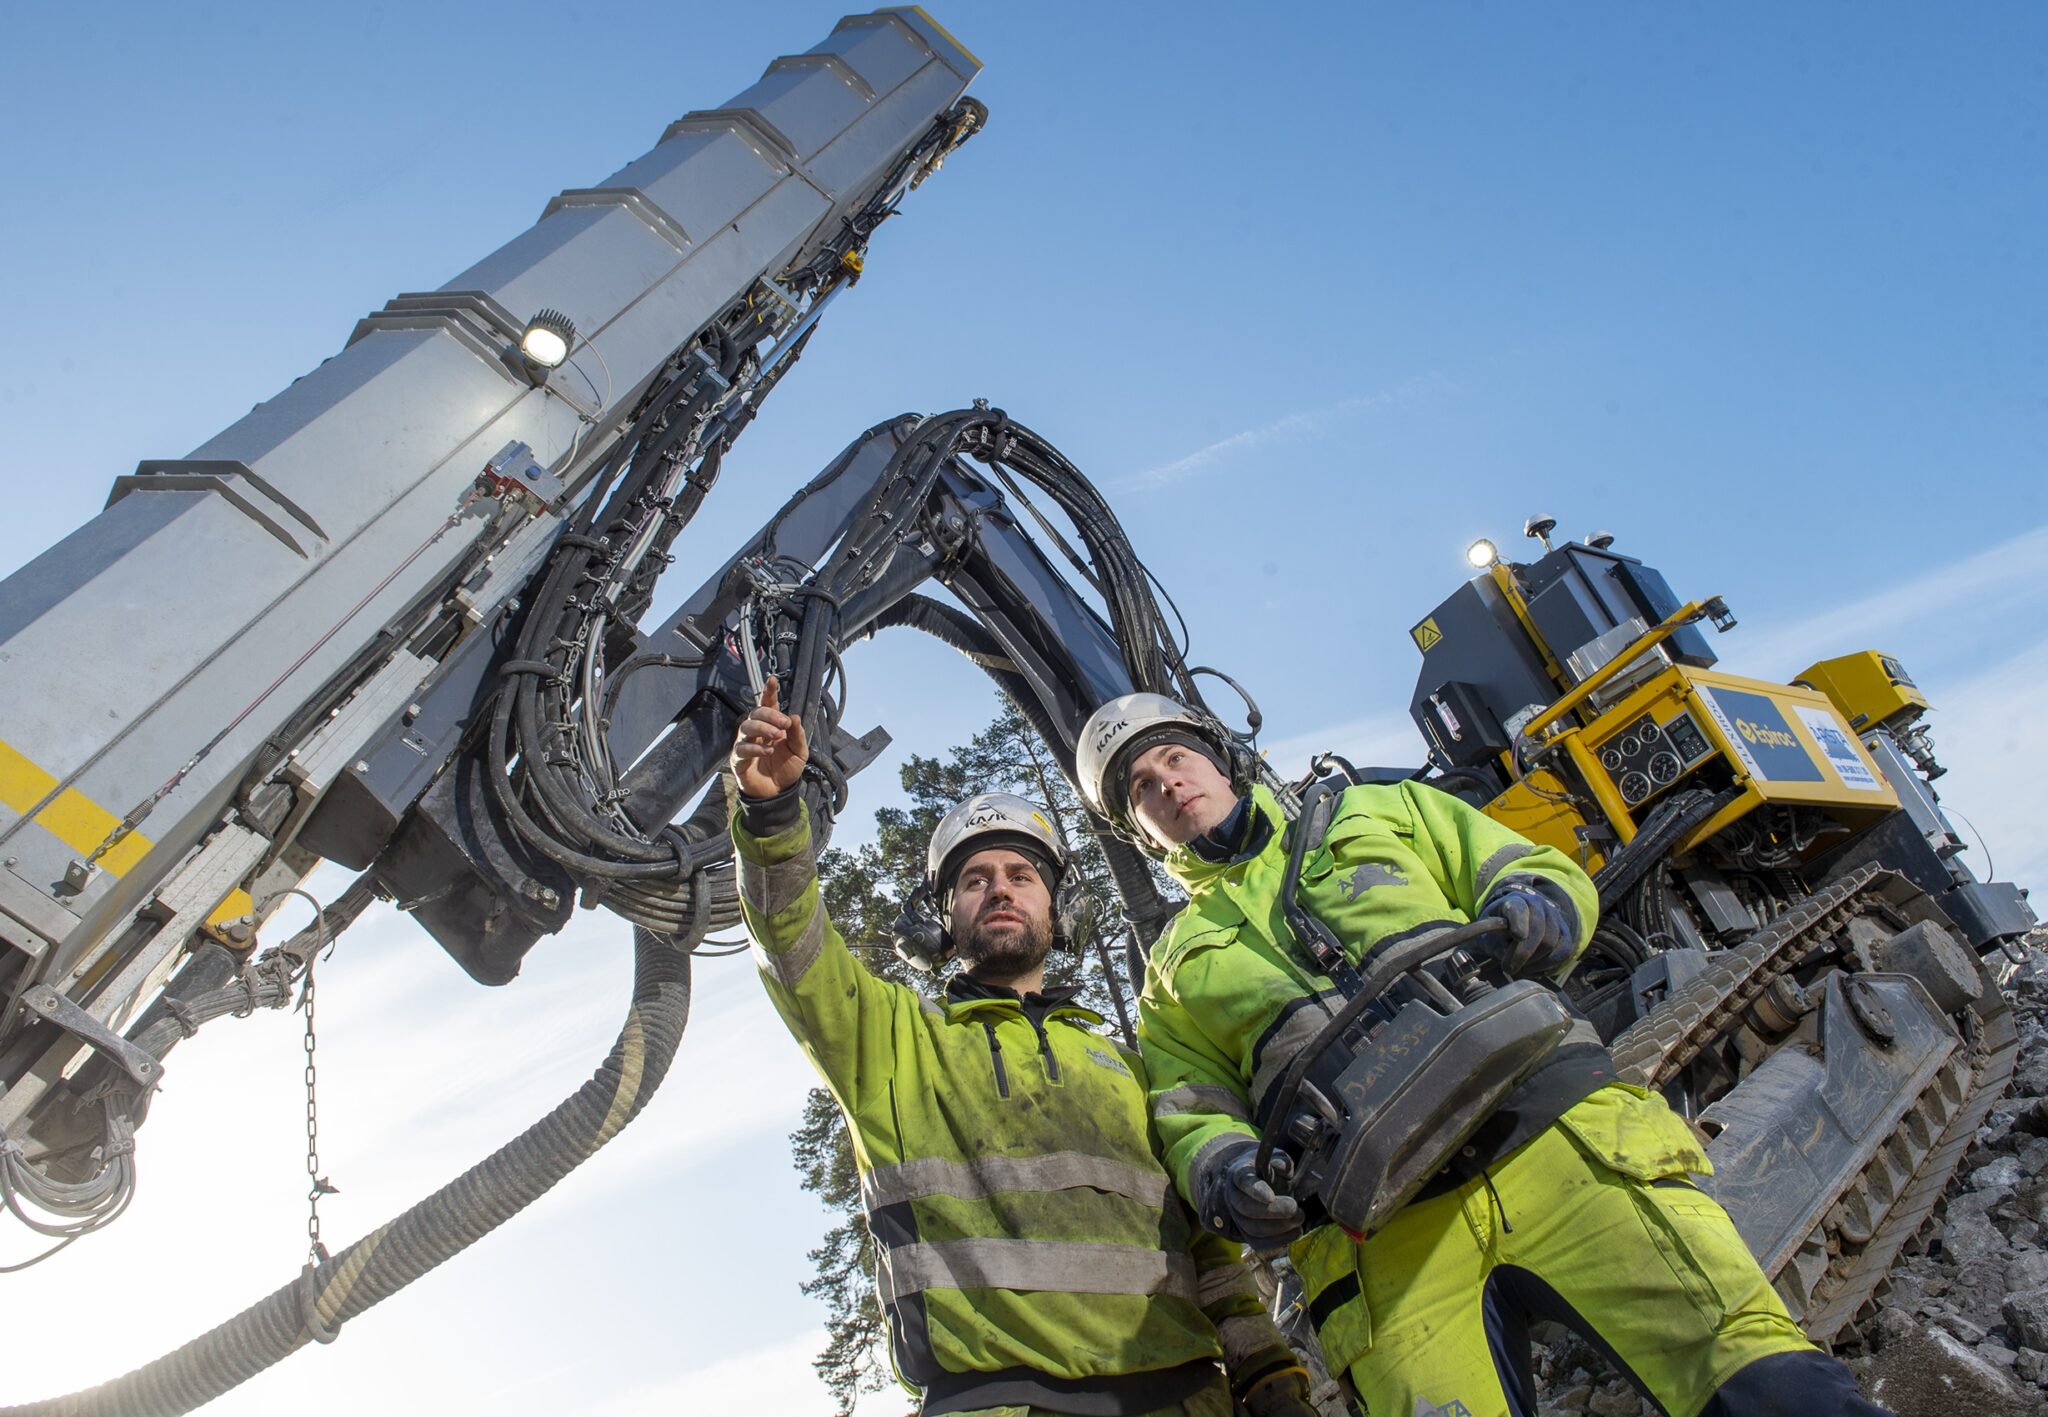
1109, 734
1755, 726
1766, 735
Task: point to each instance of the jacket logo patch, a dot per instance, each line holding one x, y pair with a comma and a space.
1453, 1408
1108, 1060
1368, 875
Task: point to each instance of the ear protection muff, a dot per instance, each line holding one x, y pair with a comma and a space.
920, 937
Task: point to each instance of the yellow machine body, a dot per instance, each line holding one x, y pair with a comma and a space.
1780, 744
1538, 808
1869, 688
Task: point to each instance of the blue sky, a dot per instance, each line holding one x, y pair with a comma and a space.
1318, 294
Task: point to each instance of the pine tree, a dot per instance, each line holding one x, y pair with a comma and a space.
863, 891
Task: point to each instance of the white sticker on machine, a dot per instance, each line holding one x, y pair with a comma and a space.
1840, 748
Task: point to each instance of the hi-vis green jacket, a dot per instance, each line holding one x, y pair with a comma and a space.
1229, 998
1029, 1239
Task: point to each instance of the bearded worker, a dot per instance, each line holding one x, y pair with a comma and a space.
1571, 1202
1032, 1255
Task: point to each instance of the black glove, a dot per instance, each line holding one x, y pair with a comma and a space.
1542, 932
1278, 1386
1238, 1204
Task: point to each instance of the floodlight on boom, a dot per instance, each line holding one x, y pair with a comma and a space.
546, 342
1482, 554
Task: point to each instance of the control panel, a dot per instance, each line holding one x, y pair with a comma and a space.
1647, 757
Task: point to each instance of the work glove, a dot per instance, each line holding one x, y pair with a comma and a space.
1542, 932
1272, 1383
1239, 1204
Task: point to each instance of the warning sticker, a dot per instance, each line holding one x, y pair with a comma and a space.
1427, 635
1756, 729
1840, 748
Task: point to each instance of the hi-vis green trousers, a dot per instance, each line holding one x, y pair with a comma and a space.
1593, 1225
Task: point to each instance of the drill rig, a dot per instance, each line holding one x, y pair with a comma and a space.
419, 653
1790, 946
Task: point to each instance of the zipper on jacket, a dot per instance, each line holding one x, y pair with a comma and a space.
896, 1120
1052, 1064
995, 1053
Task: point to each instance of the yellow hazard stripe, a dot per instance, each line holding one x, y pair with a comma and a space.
926, 16
22, 783
71, 816
238, 904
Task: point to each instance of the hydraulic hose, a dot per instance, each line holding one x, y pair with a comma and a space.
314, 1306
1661, 831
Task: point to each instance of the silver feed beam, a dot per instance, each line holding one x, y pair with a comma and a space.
417, 472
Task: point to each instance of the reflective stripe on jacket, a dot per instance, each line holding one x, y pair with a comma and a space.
1022, 1219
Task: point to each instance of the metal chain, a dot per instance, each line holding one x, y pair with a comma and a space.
318, 1186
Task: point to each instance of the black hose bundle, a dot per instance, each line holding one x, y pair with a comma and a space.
1152, 658
1677, 815
547, 742
556, 797
314, 1306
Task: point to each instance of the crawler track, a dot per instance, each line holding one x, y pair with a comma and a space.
1838, 1270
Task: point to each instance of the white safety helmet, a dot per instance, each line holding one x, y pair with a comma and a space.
991, 819
1124, 727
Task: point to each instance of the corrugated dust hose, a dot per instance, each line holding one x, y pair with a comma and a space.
313, 1307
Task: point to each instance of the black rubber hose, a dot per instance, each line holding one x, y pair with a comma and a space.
315, 1305
1662, 830
680, 864
1449, 782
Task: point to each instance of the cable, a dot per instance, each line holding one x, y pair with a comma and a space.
1185, 639
1382, 967
314, 1305
604, 400
1990, 870
1665, 827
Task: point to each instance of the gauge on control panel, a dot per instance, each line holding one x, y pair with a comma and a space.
1634, 788
1664, 768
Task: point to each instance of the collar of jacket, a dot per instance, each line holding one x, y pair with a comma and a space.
966, 995
1193, 872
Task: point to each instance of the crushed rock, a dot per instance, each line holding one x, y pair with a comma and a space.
1933, 1371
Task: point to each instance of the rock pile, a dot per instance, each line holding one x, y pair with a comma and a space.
1964, 1327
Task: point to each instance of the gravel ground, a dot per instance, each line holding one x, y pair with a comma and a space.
1965, 1326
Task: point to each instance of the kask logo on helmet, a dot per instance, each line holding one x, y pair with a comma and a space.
1109, 734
